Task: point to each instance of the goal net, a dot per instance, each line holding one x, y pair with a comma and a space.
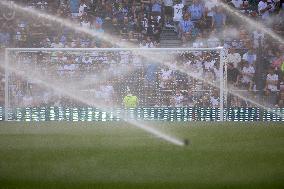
98, 84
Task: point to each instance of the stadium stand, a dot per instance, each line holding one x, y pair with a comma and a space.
254, 59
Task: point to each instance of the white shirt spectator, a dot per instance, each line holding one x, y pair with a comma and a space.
149, 44
73, 44
82, 9
165, 76
237, 3
178, 12
86, 24
57, 45
70, 68
178, 100
263, 5
208, 65
272, 78
247, 70
18, 36
214, 101
258, 37
234, 58
124, 57
145, 23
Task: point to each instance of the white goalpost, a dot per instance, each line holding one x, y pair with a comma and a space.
157, 55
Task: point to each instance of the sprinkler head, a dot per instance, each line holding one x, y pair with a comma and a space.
186, 142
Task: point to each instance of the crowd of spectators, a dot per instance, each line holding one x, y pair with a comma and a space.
254, 59
94, 76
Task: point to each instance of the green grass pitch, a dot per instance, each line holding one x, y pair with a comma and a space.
71, 155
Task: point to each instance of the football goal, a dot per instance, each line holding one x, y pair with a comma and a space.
90, 83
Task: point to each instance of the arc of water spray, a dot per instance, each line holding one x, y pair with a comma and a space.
66, 90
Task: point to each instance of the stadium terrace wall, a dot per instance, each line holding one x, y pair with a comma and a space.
145, 114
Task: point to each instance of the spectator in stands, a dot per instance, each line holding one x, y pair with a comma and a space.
234, 57
82, 8
144, 24
219, 19
210, 7
126, 29
250, 56
168, 12
178, 99
258, 39
74, 7
107, 93
156, 7
5, 38
265, 8
237, 3
247, 79
278, 61
281, 93
233, 74
56, 43
178, 11
214, 100
271, 86
151, 74
85, 22
253, 5
166, 77
185, 28
196, 10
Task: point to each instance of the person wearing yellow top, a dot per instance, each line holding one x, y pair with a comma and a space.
282, 67
130, 101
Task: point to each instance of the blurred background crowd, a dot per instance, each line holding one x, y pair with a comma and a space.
255, 61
